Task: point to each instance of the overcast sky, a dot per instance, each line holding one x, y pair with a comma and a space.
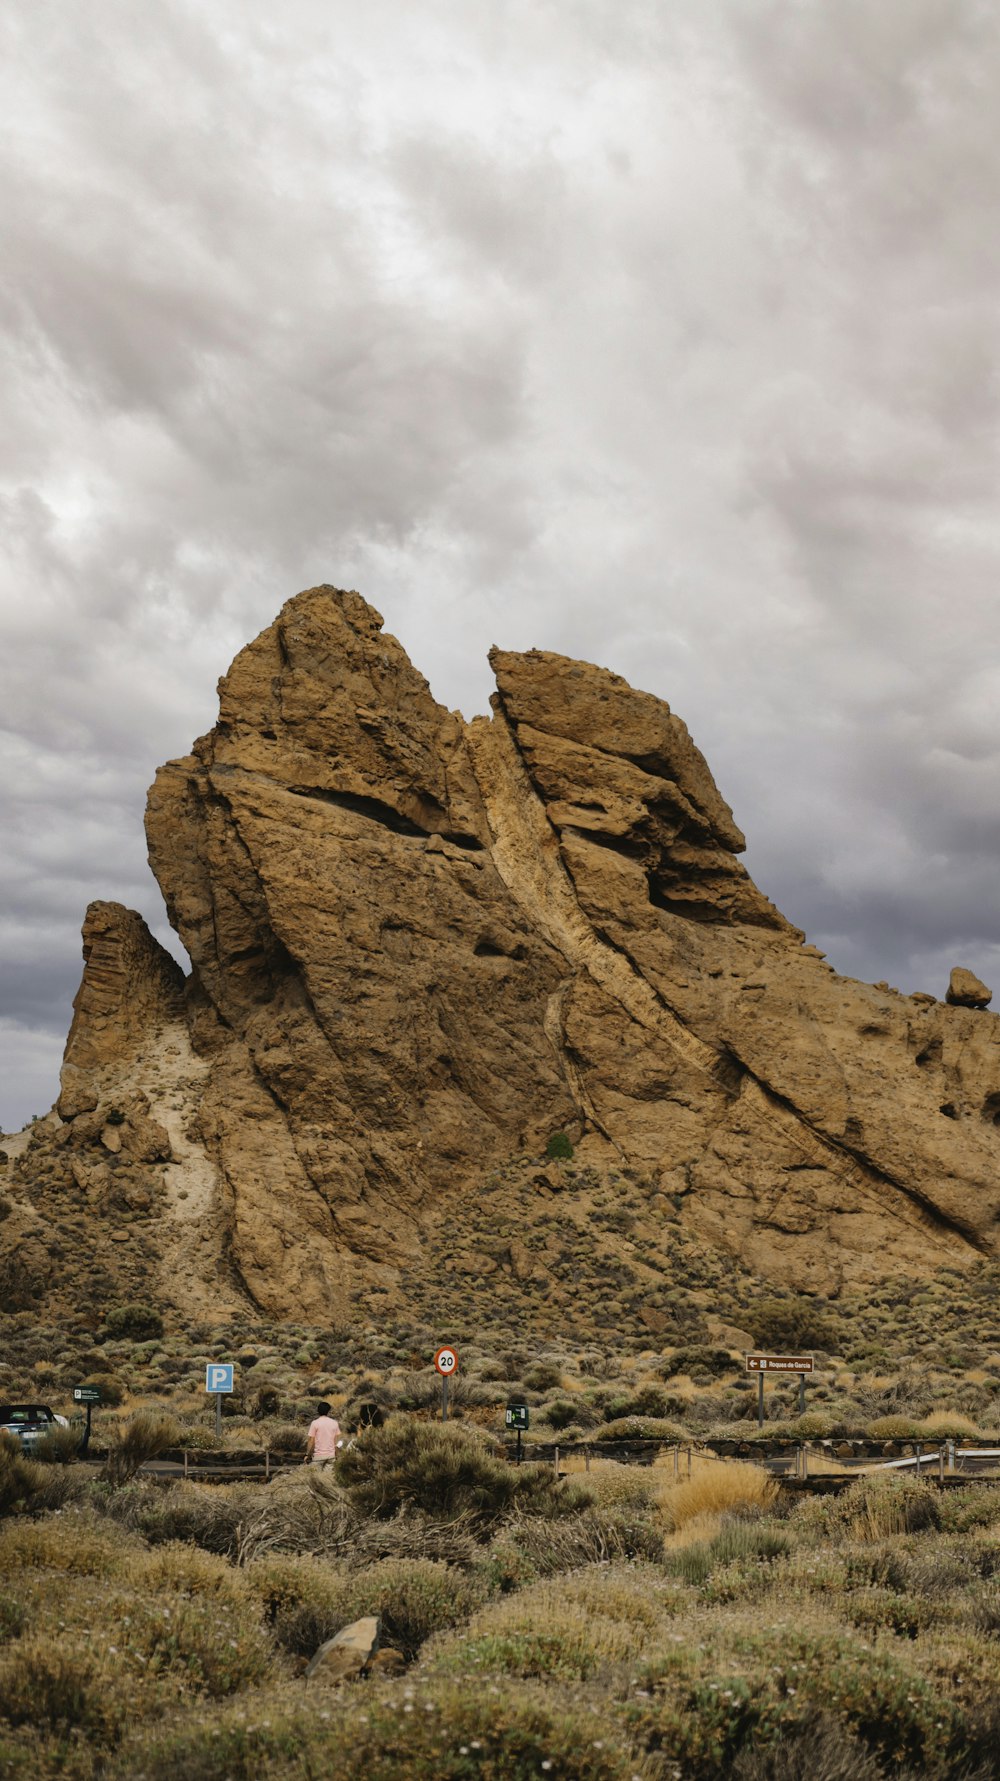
663, 333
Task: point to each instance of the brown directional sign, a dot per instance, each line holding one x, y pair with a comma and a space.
779, 1363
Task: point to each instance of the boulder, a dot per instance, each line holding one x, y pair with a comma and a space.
965, 990
348, 1653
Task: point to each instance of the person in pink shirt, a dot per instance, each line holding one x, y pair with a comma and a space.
324, 1437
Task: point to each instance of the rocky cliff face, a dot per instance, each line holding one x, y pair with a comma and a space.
419, 948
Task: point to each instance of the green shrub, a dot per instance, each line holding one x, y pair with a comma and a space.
738, 1541
543, 1376
559, 1145
777, 1681
700, 1358
791, 1325
562, 1413
505, 1732
111, 1388
442, 1470
134, 1323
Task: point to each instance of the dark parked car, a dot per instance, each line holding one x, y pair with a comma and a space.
29, 1422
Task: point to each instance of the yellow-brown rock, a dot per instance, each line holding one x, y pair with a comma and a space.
966, 990
420, 947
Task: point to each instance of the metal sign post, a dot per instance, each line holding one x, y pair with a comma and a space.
516, 1416
778, 1363
219, 1379
446, 1362
89, 1395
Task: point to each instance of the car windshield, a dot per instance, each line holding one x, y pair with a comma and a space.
18, 1413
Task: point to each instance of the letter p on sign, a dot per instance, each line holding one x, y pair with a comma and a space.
218, 1378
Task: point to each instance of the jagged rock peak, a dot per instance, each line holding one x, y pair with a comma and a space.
130, 984
420, 947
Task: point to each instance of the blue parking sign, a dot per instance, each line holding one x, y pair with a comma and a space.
218, 1377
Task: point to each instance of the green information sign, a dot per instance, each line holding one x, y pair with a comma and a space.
86, 1394
516, 1416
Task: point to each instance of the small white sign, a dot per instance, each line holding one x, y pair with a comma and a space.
218, 1377
446, 1361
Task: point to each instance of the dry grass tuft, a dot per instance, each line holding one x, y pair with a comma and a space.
715, 1487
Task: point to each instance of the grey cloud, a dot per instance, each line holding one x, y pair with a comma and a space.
665, 337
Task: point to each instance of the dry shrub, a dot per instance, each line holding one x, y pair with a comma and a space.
145, 1435
305, 1512
821, 1749
949, 1422
61, 1687
570, 1629
60, 1447
879, 1508
715, 1487
73, 1544
210, 1645
505, 1732
615, 1486
594, 1536
412, 1535
21, 1480
180, 1567
305, 1601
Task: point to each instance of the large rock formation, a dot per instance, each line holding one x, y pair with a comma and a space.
421, 947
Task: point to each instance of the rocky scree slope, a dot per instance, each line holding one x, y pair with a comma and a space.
420, 947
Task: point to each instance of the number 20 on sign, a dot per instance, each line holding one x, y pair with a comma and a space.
446, 1362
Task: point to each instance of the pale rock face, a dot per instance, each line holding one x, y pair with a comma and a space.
419, 947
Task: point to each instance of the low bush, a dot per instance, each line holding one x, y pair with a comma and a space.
707, 1706
594, 1536
305, 1601
60, 1447
22, 1481
288, 1437
640, 1428
543, 1376
699, 1359
819, 1748
443, 1471
144, 1436
77, 1544
739, 1542
792, 1325
133, 1323
506, 1732
62, 1687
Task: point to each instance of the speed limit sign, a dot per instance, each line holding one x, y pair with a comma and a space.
446, 1361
